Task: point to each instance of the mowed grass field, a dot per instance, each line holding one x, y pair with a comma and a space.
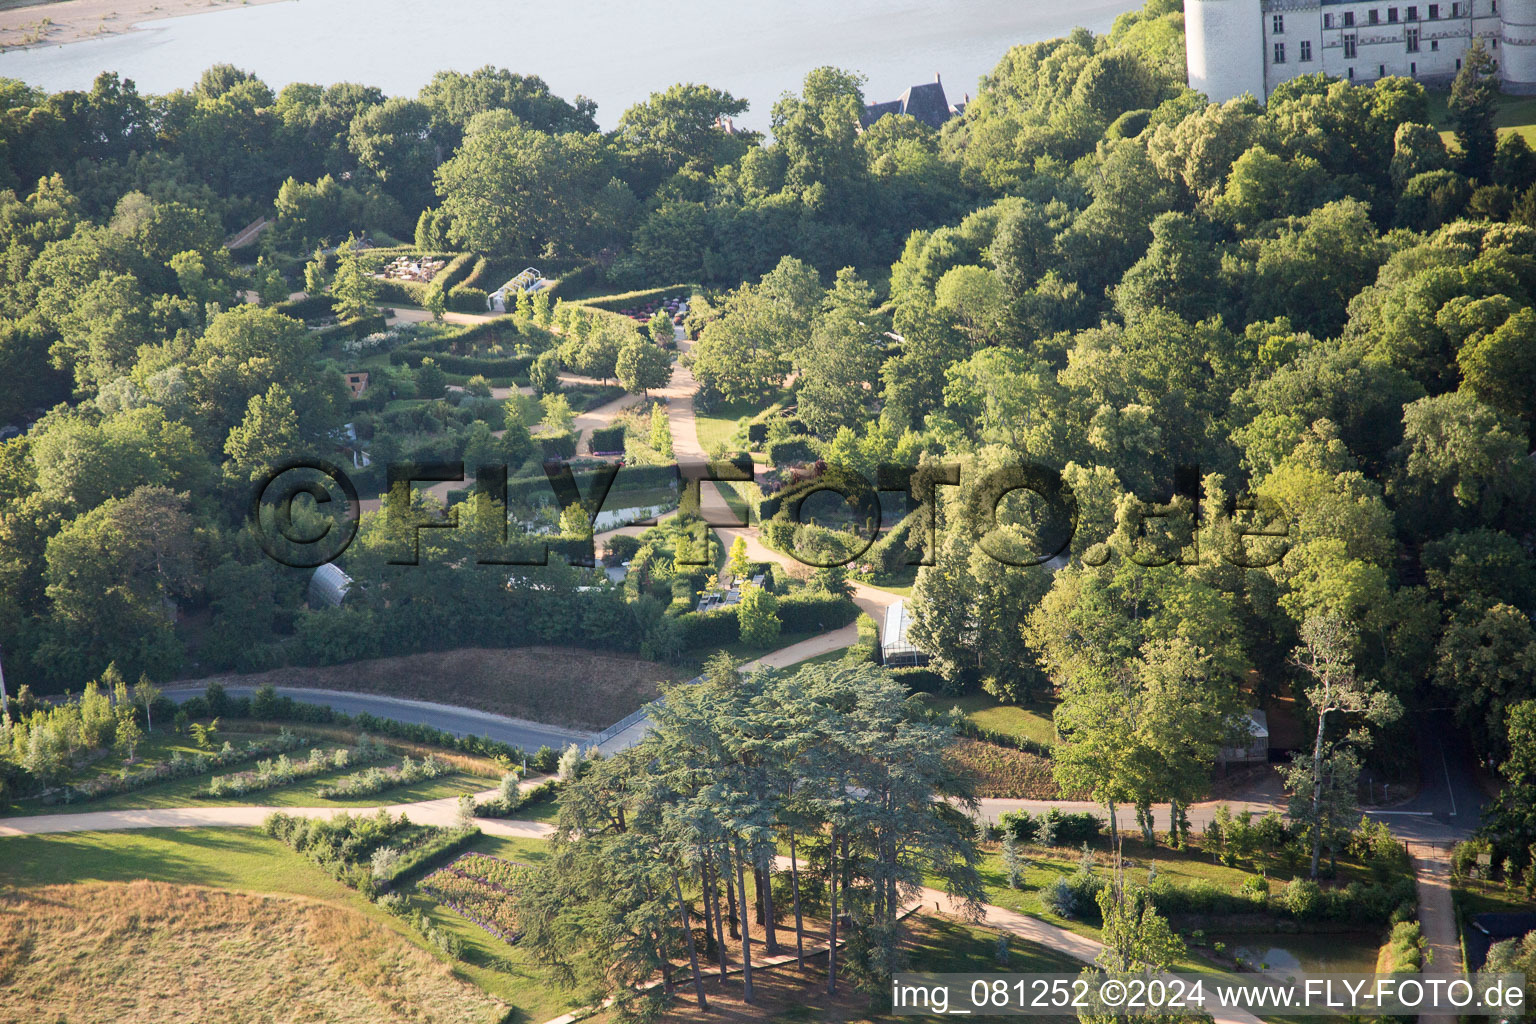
1515, 114
159, 952
557, 686
1030, 721
247, 862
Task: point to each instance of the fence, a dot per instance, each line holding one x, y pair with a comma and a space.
634, 717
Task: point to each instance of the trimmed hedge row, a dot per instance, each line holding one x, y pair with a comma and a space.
578, 280
314, 307
467, 366
798, 613
613, 303
608, 439
557, 446
359, 328
440, 849
805, 613
919, 679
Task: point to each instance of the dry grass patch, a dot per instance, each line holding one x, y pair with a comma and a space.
554, 685
1004, 772
152, 952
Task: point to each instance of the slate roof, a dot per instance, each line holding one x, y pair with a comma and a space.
925, 102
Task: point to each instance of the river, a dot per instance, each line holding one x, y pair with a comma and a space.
615, 51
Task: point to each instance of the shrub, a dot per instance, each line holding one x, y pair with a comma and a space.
1059, 899
385, 861
1303, 899
1085, 887
508, 804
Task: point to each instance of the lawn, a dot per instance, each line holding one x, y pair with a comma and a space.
1515, 114
189, 793
1030, 721
1180, 867
244, 860
718, 425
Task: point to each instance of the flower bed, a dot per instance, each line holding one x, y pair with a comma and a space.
283, 771
479, 887
377, 780
180, 767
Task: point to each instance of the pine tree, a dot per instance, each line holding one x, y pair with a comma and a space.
1474, 99
1013, 864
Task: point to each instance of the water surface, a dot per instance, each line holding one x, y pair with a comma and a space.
615, 51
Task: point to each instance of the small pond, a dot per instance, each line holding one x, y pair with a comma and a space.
1332, 952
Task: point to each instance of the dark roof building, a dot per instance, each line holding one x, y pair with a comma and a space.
925, 102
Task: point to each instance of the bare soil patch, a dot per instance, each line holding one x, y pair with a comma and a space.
151, 952
554, 685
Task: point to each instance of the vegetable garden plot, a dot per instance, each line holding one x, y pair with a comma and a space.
479, 887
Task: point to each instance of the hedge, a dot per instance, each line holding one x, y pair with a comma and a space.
314, 307
557, 446
790, 451
579, 280
613, 303
718, 628
920, 680
1070, 829
815, 612
608, 439
1373, 903
437, 850
469, 366
468, 300
359, 328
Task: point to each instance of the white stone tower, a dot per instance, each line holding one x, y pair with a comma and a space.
1517, 49
1224, 47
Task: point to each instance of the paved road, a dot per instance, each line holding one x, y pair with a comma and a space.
1449, 803
459, 721
443, 812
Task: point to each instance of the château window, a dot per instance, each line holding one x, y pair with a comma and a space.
1349, 19
1434, 12
1413, 14
1412, 38
1455, 10
1434, 46
1374, 17
1279, 53
1392, 15
1327, 21
1306, 50
1349, 50
1277, 25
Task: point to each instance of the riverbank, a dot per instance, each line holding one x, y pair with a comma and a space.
35, 23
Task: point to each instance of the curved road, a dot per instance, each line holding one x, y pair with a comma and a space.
530, 736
